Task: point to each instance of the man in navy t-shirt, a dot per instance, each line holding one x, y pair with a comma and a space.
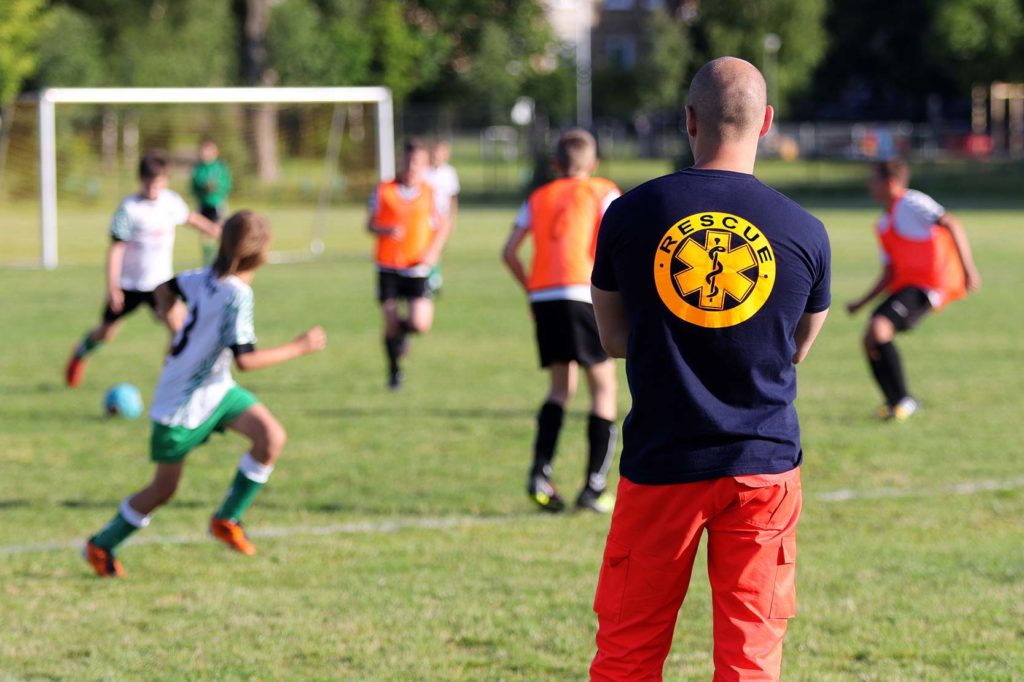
712, 286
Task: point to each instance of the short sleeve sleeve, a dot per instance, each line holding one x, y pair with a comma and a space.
179, 209
522, 221
121, 225
604, 276
371, 202
820, 297
238, 328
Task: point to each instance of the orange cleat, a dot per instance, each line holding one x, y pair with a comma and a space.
75, 369
102, 561
232, 535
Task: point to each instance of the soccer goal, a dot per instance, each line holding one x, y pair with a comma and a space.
294, 153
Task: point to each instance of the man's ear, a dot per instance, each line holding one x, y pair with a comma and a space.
769, 116
691, 121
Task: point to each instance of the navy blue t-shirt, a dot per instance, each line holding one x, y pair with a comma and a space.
715, 270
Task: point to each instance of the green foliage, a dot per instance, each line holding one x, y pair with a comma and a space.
406, 55
495, 70
554, 91
307, 49
738, 28
982, 38
21, 22
663, 69
186, 43
71, 51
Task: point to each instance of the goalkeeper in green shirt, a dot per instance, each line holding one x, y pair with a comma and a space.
211, 183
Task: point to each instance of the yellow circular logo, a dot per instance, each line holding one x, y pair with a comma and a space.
714, 269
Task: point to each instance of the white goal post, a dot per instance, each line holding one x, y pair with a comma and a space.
50, 97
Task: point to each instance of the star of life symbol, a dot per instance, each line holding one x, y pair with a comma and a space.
714, 269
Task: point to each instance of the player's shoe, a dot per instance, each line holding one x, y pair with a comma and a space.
905, 409
395, 380
232, 535
544, 494
600, 502
75, 369
884, 412
102, 561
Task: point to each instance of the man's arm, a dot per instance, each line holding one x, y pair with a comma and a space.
203, 224
115, 259
510, 254
612, 321
879, 286
310, 341
972, 279
806, 331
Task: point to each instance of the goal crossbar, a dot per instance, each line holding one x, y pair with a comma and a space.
50, 97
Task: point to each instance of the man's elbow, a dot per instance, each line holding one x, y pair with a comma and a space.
615, 347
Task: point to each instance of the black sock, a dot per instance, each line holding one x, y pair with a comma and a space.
883, 380
549, 425
601, 434
393, 348
890, 362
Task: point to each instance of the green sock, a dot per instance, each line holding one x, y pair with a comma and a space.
124, 523
209, 249
249, 478
87, 345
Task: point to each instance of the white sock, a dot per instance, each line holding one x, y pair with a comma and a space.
253, 470
133, 517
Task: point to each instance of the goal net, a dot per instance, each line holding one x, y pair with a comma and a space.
298, 155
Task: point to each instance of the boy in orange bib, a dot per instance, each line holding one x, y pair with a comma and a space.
563, 217
927, 263
410, 236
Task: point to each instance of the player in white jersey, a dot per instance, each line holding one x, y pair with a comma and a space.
139, 258
444, 181
196, 394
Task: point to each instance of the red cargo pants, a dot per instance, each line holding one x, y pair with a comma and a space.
751, 523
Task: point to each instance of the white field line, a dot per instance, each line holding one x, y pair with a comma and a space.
449, 522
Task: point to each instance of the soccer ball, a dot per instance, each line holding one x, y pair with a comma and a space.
122, 400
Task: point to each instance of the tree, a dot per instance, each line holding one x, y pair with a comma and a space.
739, 27
21, 22
981, 38
666, 62
71, 51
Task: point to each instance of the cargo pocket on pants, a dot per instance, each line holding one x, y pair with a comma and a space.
784, 597
611, 584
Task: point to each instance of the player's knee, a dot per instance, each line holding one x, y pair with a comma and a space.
276, 437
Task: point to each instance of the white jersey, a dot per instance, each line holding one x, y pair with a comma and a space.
913, 217
146, 226
197, 373
445, 183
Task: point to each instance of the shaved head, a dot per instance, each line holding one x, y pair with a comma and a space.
728, 97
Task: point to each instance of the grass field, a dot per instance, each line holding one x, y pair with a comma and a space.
395, 539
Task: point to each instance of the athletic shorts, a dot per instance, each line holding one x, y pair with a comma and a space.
211, 213
391, 285
567, 332
132, 300
905, 308
171, 443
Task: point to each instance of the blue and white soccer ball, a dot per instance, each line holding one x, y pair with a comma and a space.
122, 400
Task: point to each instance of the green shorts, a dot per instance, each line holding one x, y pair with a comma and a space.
172, 443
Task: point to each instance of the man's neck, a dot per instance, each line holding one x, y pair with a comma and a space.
738, 158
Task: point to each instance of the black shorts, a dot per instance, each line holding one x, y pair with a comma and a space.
132, 300
567, 332
211, 213
905, 308
391, 285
